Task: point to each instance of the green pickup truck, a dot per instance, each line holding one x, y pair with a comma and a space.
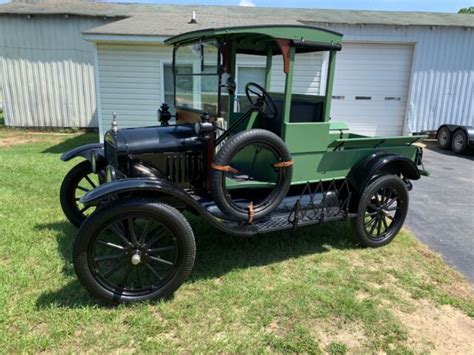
249, 158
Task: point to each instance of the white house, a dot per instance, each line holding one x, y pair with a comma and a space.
397, 72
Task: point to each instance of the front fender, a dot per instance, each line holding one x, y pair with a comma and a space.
361, 174
147, 185
163, 188
84, 151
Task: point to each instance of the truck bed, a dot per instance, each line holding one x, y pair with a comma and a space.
356, 141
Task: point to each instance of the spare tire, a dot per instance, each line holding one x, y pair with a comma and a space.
260, 178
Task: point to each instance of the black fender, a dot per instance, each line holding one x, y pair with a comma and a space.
148, 186
365, 170
164, 190
84, 151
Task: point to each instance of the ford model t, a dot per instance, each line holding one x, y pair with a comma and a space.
265, 161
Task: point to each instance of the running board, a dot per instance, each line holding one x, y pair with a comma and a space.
316, 204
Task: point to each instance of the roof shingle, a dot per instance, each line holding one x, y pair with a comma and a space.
157, 19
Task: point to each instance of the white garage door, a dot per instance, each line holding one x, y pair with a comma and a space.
371, 87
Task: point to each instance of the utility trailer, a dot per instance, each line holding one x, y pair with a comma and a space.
458, 138
273, 162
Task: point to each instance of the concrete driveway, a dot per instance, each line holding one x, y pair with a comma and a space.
442, 207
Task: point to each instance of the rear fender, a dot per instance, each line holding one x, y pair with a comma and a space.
365, 171
84, 151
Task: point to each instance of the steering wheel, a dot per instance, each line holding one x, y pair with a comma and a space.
263, 101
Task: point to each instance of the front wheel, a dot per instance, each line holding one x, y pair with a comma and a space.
381, 212
134, 250
79, 180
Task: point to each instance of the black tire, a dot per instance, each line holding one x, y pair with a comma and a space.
459, 142
382, 209
444, 138
231, 147
74, 211
108, 229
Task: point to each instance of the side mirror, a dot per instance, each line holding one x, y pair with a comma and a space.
231, 86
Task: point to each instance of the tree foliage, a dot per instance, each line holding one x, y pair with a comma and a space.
466, 10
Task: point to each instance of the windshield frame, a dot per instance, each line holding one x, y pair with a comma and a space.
218, 73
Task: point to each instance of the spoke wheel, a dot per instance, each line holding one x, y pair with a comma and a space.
133, 251
78, 181
382, 211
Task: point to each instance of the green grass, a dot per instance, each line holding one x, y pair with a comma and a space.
311, 290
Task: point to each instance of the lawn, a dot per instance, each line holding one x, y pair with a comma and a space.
312, 290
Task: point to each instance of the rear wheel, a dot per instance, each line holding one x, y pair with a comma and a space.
444, 138
79, 180
381, 211
134, 250
459, 142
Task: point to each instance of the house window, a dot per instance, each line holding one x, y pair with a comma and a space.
186, 83
246, 75
168, 84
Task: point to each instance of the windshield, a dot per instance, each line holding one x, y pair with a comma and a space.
197, 78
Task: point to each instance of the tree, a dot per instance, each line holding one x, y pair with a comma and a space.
466, 10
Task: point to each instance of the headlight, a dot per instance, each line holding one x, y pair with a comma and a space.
202, 128
110, 173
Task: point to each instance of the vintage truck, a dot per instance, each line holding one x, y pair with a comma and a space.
273, 161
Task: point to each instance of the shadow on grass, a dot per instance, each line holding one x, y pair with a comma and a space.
72, 142
217, 253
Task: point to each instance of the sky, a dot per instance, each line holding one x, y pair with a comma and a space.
388, 5
394, 5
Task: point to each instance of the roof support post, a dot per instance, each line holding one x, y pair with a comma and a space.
232, 69
288, 89
329, 85
268, 69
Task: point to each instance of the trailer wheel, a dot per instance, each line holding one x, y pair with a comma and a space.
444, 138
459, 142
134, 250
251, 175
381, 212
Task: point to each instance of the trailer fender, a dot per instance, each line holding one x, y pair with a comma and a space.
372, 166
84, 151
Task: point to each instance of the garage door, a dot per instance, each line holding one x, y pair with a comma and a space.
371, 87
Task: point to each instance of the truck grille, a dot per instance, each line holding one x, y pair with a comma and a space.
110, 154
185, 168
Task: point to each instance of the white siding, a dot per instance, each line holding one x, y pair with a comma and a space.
307, 73
47, 71
130, 83
440, 84
130, 80
442, 78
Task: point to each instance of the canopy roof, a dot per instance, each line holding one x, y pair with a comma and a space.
255, 39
